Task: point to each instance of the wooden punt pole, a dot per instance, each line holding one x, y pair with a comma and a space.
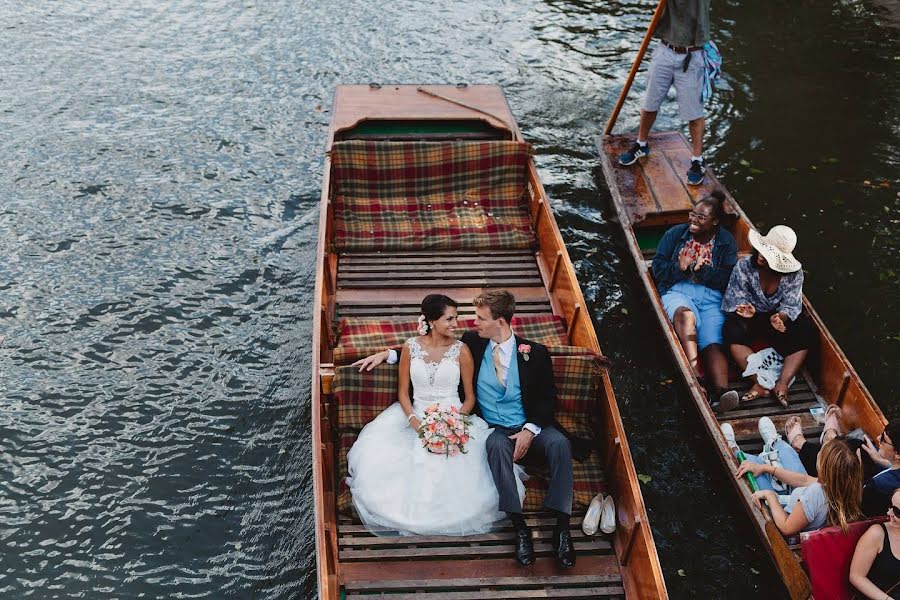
634, 68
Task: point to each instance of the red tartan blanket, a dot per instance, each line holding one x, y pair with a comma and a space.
429, 195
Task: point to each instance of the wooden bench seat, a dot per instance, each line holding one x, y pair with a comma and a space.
407, 302
496, 269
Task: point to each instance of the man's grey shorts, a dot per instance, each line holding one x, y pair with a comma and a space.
666, 68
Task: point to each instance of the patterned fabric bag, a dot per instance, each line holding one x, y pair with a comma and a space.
712, 69
766, 365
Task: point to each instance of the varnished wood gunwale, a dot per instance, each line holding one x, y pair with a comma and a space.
837, 381
633, 559
633, 540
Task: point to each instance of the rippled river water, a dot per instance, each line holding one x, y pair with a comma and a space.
160, 167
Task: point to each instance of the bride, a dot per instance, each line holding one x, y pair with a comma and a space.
398, 485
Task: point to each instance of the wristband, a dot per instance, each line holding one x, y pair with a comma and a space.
410, 416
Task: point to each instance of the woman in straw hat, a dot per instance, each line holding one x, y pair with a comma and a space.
764, 304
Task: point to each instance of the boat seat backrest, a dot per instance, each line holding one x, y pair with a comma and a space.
380, 170
430, 196
826, 554
358, 337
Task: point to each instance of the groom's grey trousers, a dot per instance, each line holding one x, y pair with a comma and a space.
552, 446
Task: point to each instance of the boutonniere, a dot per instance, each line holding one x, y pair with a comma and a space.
524, 350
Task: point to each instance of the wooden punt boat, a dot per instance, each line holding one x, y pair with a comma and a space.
425, 193
651, 196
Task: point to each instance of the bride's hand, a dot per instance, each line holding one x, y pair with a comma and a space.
415, 423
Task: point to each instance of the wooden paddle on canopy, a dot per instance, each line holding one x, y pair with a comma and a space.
634, 68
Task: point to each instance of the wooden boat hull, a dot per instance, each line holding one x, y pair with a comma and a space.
554, 288
653, 196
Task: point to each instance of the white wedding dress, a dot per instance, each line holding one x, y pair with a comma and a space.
399, 486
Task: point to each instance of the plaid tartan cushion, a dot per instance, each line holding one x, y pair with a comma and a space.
362, 396
578, 381
589, 480
358, 338
378, 169
430, 195
344, 499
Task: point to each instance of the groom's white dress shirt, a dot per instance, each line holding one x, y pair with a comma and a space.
507, 351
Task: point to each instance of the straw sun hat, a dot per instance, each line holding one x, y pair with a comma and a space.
776, 248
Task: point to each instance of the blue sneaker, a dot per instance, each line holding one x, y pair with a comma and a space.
696, 173
635, 152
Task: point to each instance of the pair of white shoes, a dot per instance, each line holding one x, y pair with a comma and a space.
769, 435
601, 513
767, 432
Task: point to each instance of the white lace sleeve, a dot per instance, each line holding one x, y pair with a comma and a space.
415, 349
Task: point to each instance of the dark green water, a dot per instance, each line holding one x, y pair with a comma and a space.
159, 186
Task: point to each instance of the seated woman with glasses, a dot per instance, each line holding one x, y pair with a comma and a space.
875, 569
692, 267
764, 302
878, 490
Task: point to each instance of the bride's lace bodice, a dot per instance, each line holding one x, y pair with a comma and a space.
434, 381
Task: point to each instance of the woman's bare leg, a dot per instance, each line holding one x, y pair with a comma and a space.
686, 329
716, 365
792, 364
740, 353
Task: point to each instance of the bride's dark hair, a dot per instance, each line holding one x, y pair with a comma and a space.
433, 307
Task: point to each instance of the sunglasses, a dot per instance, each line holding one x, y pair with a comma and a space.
895, 510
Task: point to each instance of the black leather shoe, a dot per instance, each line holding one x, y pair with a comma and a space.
564, 548
524, 547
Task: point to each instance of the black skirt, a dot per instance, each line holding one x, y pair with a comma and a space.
799, 334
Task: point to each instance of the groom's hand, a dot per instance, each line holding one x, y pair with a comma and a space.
523, 443
370, 362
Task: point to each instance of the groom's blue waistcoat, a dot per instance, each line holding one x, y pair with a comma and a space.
500, 405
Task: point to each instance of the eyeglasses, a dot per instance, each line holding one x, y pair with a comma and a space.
895, 510
883, 440
699, 216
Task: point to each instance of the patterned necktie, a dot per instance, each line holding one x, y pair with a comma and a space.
498, 368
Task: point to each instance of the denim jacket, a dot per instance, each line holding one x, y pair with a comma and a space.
665, 267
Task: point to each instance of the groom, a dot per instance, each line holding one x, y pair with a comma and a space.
516, 395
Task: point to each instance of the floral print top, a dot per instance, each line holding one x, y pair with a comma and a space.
698, 251
744, 288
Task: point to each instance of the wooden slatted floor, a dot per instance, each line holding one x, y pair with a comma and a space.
745, 419
473, 567
499, 269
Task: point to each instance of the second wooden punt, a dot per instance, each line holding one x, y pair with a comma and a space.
370, 281
653, 195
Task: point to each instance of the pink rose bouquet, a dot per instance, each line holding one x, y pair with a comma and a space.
444, 430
